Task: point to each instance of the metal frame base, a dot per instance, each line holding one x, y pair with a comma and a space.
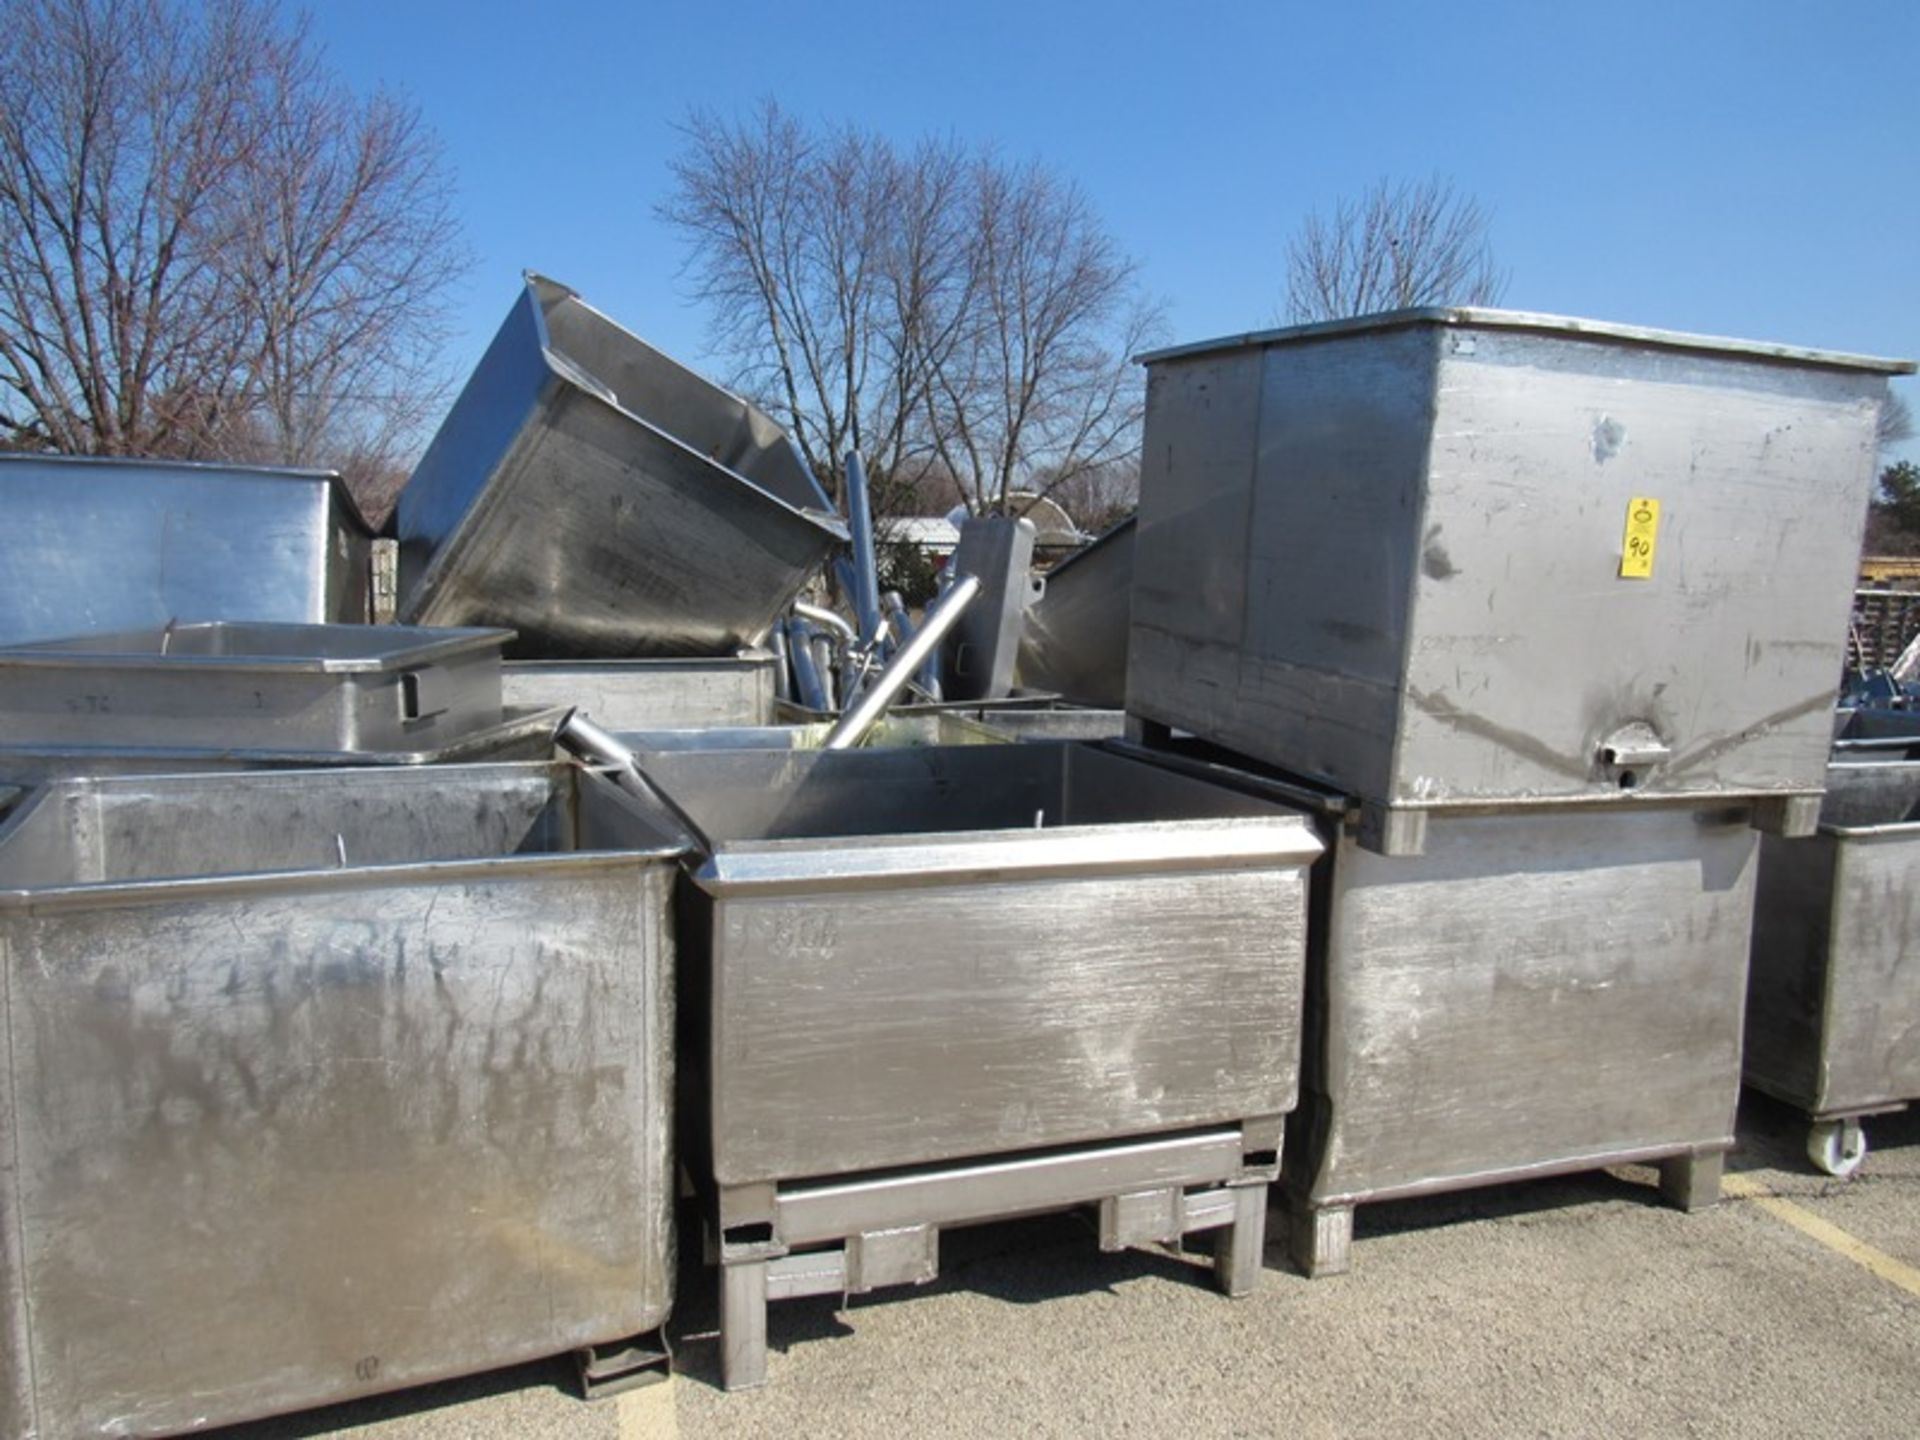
863, 1233
1320, 1237
623, 1365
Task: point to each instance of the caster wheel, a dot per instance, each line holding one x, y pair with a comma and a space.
1837, 1146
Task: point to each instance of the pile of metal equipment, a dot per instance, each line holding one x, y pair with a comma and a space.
372, 990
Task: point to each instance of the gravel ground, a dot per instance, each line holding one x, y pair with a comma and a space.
1575, 1306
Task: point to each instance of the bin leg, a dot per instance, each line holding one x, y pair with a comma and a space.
743, 1324
1240, 1250
1322, 1240
1692, 1181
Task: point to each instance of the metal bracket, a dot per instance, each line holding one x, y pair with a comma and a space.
1792, 817
623, 1365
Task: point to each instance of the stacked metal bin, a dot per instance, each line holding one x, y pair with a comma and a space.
1833, 1001
927, 987
322, 1083
224, 695
114, 544
1550, 612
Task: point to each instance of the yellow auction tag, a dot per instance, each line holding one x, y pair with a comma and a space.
1636, 550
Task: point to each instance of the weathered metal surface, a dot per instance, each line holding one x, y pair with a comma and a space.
603, 501
925, 954
1543, 991
1388, 555
980, 654
1076, 636
660, 694
1539, 991
112, 544
225, 685
1833, 1003
321, 1084
519, 734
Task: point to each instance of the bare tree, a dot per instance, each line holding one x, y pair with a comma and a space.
208, 248
1039, 387
823, 259
1895, 426
1399, 245
952, 315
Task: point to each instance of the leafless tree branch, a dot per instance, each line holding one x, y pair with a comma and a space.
1397, 246
208, 246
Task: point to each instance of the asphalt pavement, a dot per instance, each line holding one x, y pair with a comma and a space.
1572, 1306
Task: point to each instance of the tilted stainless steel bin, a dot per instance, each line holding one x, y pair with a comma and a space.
1440, 559
253, 686
117, 544
325, 1083
927, 987
660, 694
1541, 992
1075, 642
1833, 1003
603, 501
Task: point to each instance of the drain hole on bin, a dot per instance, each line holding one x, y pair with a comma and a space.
1628, 779
1257, 1159
758, 1234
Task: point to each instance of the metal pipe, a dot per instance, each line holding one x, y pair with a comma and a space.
601, 749
934, 625
866, 565
832, 620
782, 666
806, 678
823, 663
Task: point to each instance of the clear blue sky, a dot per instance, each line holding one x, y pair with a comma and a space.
1747, 169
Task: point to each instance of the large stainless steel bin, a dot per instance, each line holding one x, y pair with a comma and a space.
660, 694
1833, 1003
114, 544
603, 501
1075, 642
932, 986
325, 1083
1393, 554
253, 686
519, 734
1542, 992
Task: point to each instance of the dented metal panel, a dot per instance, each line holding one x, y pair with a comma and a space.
321, 1084
1833, 1005
1388, 555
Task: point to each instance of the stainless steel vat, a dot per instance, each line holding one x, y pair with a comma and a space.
322, 1084
1543, 991
250, 686
1393, 554
602, 501
1833, 1002
519, 734
1076, 637
661, 694
114, 544
931, 986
